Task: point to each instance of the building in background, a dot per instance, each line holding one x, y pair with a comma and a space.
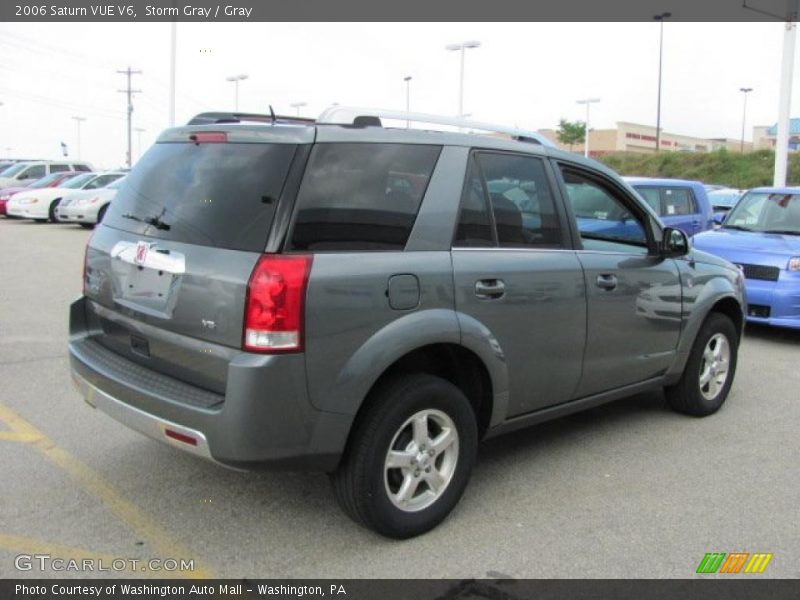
633, 137
764, 136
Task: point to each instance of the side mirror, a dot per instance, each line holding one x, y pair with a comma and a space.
675, 243
719, 218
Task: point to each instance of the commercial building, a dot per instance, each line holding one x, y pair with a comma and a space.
765, 136
634, 137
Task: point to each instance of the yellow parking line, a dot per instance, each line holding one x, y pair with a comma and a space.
93, 483
13, 436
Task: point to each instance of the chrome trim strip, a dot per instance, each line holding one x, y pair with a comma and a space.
141, 421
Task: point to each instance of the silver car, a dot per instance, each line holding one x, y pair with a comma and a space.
88, 207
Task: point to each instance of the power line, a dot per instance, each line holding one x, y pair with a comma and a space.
130, 92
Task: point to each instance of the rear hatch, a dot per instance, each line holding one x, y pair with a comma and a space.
167, 272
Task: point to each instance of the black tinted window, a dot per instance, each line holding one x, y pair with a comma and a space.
474, 226
81, 168
361, 196
221, 195
59, 168
524, 210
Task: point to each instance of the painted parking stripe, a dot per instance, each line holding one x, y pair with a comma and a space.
97, 486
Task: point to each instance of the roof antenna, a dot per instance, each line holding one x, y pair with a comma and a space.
272, 114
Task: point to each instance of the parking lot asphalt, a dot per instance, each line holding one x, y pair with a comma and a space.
626, 490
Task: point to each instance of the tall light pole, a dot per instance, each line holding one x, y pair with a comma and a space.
139, 131
784, 103
660, 18
462, 47
588, 102
407, 79
297, 106
236, 79
78, 121
745, 91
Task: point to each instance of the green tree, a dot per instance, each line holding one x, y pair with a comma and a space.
571, 133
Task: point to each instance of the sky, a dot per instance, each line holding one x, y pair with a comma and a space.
524, 74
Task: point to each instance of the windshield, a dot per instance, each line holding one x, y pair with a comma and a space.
78, 181
46, 181
13, 170
725, 198
114, 185
765, 212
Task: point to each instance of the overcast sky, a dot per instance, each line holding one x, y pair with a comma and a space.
527, 75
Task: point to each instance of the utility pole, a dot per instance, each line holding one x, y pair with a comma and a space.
660, 18
130, 92
785, 100
78, 121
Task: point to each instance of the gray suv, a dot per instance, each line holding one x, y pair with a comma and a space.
372, 302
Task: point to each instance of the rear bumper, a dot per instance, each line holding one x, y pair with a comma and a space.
781, 298
263, 420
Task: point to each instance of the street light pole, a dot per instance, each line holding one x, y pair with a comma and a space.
745, 91
407, 79
660, 18
139, 131
78, 121
236, 79
588, 102
462, 47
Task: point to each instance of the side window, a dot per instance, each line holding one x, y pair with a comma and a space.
34, 172
474, 226
59, 168
652, 196
361, 196
604, 221
677, 201
522, 201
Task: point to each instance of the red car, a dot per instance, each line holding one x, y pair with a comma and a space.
52, 180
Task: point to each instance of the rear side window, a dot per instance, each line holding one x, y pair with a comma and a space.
221, 195
59, 168
522, 204
669, 201
83, 168
361, 196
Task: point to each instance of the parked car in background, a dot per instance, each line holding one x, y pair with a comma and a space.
722, 201
53, 180
88, 207
761, 234
372, 302
713, 187
40, 205
22, 172
680, 203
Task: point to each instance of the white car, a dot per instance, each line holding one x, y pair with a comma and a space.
87, 207
40, 205
23, 173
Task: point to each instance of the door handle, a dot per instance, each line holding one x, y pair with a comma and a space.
490, 288
607, 281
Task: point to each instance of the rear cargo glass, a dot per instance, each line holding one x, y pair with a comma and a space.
361, 196
221, 195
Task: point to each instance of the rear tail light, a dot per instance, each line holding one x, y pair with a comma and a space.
275, 305
209, 137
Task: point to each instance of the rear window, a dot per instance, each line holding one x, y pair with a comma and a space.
221, 195
361, 196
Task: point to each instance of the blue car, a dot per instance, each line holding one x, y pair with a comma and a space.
680, 203
722, 201
761, 235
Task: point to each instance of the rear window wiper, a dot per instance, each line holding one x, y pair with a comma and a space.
154, 221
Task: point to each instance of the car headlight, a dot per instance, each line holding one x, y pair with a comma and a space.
29, 201
794, 263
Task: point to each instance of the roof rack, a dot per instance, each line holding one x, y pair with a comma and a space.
346, 115
208, 118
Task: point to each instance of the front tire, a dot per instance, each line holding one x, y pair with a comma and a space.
410, 457
709, 371
51, 212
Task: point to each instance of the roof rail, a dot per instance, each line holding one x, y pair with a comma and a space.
346, 115
208, 118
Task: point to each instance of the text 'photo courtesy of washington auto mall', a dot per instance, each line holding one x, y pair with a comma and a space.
467, 304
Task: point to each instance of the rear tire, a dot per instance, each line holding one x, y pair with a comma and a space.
51, 212
709, 371
409, 458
